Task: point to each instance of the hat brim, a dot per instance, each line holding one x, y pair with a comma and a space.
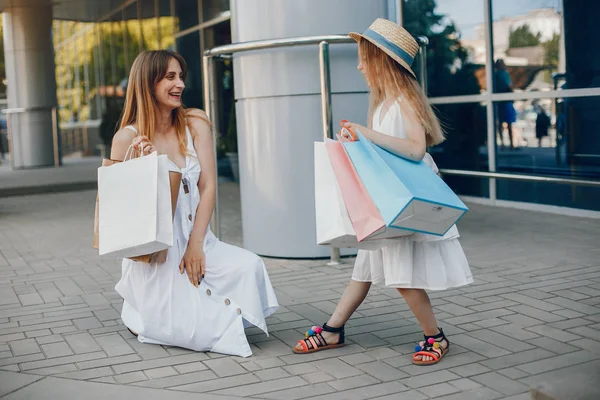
357, 37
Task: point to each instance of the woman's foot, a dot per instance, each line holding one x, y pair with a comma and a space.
320, 338
431, 350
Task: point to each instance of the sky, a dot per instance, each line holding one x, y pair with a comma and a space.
467, 14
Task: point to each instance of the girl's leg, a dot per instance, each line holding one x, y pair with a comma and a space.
353, 296
420, 305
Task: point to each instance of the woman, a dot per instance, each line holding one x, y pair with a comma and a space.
200, 293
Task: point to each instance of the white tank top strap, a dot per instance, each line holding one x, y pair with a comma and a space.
190, 140
131, 127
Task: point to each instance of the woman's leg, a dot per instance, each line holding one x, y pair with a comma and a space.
420, 305
353, 296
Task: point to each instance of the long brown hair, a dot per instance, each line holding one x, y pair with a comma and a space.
141, 105
386, 75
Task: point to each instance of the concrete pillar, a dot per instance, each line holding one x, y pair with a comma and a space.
278, 109
31, 83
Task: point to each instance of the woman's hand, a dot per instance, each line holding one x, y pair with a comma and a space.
143, 144
193, 263
160, 257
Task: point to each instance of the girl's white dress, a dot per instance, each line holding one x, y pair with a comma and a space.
163, 307
418, 261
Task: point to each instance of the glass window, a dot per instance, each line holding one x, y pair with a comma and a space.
186, 12
150, 26
465, 126
131, 32
456, 54
166, 25
555, 137
534, 41
189, 47
213, 8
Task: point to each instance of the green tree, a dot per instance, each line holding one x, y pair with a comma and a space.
551, 50
523, 37
446, 57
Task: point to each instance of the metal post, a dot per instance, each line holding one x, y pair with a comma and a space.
327, 117
210, 109
423, 42
55, 137
11, 156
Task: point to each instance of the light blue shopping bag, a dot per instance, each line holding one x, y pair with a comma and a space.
408, 194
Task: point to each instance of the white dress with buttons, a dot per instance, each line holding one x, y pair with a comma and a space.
418, 261
163, 307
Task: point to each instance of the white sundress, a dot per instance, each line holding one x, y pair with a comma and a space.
163, 307
418, 261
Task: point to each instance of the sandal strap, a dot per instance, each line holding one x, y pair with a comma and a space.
426, 353
438, 338
331, 329
312, 340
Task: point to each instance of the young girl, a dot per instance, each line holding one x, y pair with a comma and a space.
401, 121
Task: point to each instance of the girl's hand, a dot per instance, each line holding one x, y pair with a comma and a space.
193, 263
349, 129
143, 144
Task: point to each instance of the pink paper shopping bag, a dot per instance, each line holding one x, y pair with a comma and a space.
364, 215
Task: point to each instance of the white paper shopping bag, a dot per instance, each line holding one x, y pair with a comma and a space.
134, 215
334, 227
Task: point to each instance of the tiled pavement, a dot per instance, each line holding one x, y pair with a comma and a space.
531, 318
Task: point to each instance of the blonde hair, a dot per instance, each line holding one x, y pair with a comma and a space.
386, 75
141, 105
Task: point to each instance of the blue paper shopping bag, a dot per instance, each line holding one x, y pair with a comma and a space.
408, 194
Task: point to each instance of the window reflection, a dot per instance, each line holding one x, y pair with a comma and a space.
554, 137
465, 126
529, 39
456, 54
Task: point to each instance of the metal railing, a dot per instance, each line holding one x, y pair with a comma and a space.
325, 76
323, 43
520, 177
21, 110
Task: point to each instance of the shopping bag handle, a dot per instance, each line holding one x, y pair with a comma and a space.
352, 134
132, 149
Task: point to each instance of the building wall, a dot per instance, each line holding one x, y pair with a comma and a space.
458, 83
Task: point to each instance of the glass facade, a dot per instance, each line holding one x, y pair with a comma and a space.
93, 61
515, 84
541, 115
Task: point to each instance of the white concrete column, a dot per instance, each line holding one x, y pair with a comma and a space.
278, 108
31, 83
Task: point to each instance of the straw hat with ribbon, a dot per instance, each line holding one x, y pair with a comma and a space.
393, 40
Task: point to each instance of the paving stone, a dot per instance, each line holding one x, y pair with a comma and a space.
82, 343
353, 382
337, 368
381, 371
114, 345
557, 362
424, 380
437, 389
190, 367
83, 324
500, 383
24, 347
303, 392
465, 384
225, 367
130, 377
59, 349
